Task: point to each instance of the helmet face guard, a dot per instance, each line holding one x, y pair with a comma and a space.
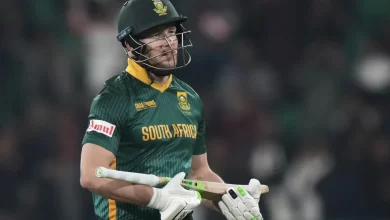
181, 54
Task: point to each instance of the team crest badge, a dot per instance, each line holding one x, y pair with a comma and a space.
183, 101
159, 7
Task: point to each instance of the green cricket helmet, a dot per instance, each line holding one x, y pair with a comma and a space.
139, 16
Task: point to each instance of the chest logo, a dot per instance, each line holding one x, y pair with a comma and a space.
183, 101
145, 105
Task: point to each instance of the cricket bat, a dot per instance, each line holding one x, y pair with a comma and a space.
208, 190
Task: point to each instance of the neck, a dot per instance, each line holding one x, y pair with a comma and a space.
159, 79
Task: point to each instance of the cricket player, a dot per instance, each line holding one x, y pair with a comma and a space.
146, 120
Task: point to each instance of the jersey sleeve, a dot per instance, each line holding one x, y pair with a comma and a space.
200, 143
106, 119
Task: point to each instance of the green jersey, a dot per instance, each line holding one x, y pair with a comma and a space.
150, 128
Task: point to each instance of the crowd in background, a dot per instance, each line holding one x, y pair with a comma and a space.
296, 94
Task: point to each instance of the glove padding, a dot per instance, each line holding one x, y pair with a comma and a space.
173, 201
238, 204
254, 189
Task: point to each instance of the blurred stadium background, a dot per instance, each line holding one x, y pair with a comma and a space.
296, 94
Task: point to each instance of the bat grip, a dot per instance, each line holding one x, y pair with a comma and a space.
139, 178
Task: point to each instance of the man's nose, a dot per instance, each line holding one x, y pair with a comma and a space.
169, 41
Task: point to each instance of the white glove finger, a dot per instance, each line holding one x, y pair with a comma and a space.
233, 201
246, 198
229, 216
236, 212
230, 197
255, 211
225, 211
242, 193
231, 212
250, 204
242, 207
241, 218
173, 209
249, 216
175, 181
222, 206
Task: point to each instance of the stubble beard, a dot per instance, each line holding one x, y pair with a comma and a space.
167, 60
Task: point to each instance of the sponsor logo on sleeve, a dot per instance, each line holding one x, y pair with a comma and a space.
101, 127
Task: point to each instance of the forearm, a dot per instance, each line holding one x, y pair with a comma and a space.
116, 189
205, 175
124, 192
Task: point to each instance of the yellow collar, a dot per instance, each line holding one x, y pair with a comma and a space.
140, 73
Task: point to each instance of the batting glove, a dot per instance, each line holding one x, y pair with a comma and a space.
173, 201
254, 189
238, 204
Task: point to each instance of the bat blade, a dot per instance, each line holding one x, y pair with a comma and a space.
213, 190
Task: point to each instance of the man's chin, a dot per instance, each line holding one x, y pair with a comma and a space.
167, 64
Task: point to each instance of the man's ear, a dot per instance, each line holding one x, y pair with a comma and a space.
128, 47
129, 50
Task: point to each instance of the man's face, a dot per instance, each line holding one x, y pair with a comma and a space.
161, 46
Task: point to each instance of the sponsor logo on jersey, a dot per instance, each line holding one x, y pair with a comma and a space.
183, 102
160, 8
158, 132
145, 105
101, 127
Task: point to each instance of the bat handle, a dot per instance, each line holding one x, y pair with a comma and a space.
139, 178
